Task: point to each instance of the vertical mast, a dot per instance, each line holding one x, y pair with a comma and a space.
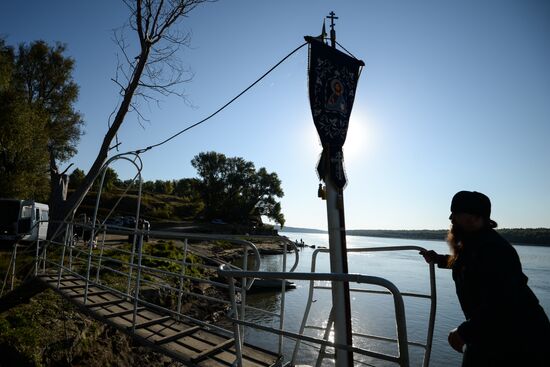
338, 252
332, 81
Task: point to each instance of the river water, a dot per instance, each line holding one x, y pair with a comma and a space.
374, 314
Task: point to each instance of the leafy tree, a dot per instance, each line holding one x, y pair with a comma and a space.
111, 179
23, 154
148, 186
43, 75
232, 189
76, 178
164, 187
187, 188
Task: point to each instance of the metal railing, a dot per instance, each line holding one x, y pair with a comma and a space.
91, 261
402, 340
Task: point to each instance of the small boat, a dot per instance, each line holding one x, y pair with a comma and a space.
265, 285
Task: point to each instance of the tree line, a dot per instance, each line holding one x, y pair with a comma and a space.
531, 236
230, 189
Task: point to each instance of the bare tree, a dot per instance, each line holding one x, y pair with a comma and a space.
154, 72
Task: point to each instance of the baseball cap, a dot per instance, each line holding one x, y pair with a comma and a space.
471, 202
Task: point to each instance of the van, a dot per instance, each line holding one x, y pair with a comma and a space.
23, 220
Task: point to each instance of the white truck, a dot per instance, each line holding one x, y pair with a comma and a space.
23, 220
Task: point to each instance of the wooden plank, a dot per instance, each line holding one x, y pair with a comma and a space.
122, 313
228, 358
69, 287
152, 322
210, 362
177, 335
53, 279
215, 349
258, 355
209, 336
106, 303
94, 293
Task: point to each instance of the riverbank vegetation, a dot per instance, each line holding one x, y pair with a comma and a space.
517, 236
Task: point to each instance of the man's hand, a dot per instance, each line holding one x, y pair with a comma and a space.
430, 256
455, 341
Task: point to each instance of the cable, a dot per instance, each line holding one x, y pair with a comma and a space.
224, 106
349, 53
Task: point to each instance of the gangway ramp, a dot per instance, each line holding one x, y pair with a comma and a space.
185, 342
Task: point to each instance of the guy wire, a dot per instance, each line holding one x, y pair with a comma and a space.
224, 106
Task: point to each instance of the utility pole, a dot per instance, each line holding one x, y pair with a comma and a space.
338, 252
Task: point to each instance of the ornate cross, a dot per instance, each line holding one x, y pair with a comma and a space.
332, 17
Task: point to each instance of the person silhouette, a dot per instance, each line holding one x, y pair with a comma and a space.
505, 324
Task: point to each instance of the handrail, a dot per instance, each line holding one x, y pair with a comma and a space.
403, 357
432, 296
85, 263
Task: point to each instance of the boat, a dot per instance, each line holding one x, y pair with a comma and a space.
270, 285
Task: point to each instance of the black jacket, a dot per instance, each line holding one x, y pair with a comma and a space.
503, 317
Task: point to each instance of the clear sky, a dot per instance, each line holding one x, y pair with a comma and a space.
455, 95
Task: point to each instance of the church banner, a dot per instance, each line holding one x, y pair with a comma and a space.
333, 78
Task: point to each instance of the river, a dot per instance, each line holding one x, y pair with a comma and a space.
374, 314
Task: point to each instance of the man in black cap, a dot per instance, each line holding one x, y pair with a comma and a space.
505, 325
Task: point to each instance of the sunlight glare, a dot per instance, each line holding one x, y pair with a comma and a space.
357, 138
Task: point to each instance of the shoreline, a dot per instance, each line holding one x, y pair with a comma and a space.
539, 237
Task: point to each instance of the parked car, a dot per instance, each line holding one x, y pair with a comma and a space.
116, 221
129, 222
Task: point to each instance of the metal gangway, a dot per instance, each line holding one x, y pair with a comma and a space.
109, 272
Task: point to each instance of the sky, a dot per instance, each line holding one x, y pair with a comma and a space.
455, 95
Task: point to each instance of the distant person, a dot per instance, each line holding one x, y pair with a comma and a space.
505, 325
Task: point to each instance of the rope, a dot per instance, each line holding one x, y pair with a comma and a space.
224, 106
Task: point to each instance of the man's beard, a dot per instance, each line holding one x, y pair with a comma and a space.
455, 236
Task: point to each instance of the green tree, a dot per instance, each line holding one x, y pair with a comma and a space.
148, 186
233, 190
187, 188
76, 178
111, 179
23, 153
43, 75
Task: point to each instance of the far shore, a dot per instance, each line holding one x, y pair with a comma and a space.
516, 236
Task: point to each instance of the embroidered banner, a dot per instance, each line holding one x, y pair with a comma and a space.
333, 78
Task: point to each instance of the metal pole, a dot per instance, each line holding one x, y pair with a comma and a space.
66, 242
236, 327
138, 281
14, 257
283, 296
339, 264
36, 258
338, 252
44, 257
182, 275
244, 286
100, 254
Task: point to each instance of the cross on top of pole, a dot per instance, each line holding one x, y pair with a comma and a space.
332, 31
331, 16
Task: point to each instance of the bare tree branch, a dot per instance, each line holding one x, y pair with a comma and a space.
155, 70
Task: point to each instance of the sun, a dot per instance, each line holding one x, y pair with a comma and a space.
357, 137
